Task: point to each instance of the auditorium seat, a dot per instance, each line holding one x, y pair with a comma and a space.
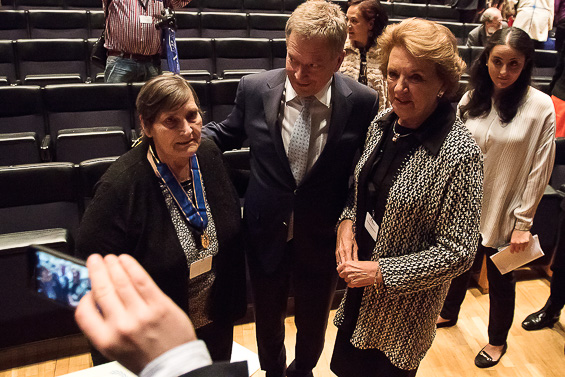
264, 6
442, 12
39, 196
194, 6
196, 55
8, 61
265, 25
58, 24
79, 144
242, 53
98, 108
388, 7
278, 49
237, 162
19, 148
222, 97
201, 88
188, 24
406, 10
22, 110
458, 30
544, 65
45, 61
96, 23
13, 24
223, 25
90, 172
221, 5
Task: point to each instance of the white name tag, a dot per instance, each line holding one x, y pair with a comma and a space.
371, 226
146, 19
199, 267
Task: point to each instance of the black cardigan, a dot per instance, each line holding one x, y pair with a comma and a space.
128, 215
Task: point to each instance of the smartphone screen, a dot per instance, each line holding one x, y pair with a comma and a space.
58, 276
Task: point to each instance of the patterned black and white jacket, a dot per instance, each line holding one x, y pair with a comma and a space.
428, 236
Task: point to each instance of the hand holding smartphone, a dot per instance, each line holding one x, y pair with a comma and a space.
57, 276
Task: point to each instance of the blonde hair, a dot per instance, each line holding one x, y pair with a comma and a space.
427, 40
319, 19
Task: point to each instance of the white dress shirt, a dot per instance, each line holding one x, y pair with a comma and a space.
179, 360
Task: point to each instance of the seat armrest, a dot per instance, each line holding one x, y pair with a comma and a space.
45, 148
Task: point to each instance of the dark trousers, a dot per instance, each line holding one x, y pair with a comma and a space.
218, 337
313, 291
502, 296
348, 361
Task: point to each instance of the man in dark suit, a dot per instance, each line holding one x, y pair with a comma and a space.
130, 320
299, 181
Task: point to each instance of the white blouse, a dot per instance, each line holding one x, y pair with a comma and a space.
518, 160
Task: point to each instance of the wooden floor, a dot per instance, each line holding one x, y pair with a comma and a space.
530, 354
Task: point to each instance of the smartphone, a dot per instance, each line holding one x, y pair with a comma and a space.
57, 276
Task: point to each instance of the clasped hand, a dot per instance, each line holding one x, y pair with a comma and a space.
356, 273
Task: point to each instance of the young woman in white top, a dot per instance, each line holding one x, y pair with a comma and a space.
514, 124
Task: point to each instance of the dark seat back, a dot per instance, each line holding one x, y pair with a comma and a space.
8, 61
21, 110
58, 24
223, 25
222, 95
242, 53
266, 25
13, 25
188, 24
39, 196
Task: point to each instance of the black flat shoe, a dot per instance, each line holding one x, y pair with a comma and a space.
484, 360
448, 323
540, 319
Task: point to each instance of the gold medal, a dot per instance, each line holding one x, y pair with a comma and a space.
204, 240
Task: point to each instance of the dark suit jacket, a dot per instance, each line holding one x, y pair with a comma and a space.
129, 215
272, 194
238, 369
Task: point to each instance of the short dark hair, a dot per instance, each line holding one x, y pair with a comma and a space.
372, 10
481, 84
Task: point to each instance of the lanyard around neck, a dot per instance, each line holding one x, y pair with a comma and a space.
195, 214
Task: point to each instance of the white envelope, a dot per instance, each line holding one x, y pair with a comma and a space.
506, 261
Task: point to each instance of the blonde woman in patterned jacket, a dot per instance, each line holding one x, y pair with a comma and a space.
366, 20
514, 124
412, 220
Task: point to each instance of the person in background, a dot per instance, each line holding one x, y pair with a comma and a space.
491, 21
535, 17
514, 124
411, 222
366, 20
129, 319
305, 125
132, 41
557, 90
170, 204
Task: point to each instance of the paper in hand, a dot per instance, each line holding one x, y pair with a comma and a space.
506, 261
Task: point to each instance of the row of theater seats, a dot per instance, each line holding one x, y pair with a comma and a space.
22, 24
275, 6
55, 61
75, 122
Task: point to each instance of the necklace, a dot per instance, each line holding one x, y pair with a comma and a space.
396, 135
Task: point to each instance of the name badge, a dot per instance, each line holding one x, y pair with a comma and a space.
371, 226
146, 19
199, 267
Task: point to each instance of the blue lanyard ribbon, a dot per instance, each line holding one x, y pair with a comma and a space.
195, 214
